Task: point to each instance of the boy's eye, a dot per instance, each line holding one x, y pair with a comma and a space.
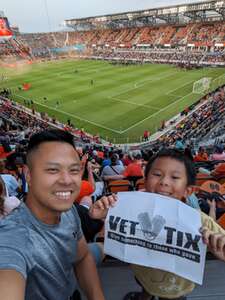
175, 177
156, 174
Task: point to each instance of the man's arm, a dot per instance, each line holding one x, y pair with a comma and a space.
86, 273
12, 285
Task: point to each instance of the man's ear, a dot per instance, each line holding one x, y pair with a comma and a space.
27, 174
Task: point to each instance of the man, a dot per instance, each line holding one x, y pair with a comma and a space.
41, 242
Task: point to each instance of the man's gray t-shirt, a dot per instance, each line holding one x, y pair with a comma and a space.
43, 254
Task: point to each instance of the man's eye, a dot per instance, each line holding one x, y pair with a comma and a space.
52, 170
75, 171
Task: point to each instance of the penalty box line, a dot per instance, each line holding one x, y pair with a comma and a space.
74, 116
180, 86
155, 114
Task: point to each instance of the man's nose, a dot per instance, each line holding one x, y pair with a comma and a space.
65, 178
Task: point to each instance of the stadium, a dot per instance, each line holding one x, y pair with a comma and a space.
126, 86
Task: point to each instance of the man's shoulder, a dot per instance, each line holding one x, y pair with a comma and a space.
72, 214
14, 226
13, 235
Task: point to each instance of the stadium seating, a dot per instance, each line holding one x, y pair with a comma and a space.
203, 37
116, 186
140, 184
212, 186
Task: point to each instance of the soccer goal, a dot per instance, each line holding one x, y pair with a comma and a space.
201, 86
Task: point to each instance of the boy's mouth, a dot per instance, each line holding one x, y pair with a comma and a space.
165, 194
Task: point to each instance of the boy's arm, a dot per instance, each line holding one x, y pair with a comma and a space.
215, 242
100, 208
12, 285
86, 272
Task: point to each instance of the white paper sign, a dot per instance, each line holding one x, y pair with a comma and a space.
156, 231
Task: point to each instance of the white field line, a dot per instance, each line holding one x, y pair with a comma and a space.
136, 86
171, 91
74, 116
143, 82
156, 113
222, 76
176, 96
133, 103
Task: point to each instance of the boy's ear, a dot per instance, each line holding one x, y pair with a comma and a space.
189, 190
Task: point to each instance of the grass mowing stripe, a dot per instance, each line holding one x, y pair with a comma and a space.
74, 116
156, 113
133, 103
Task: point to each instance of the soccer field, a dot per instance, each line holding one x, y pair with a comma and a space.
118, 102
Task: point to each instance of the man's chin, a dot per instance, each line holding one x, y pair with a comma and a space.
64, 207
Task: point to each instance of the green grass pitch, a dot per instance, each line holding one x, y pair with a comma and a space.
115, 101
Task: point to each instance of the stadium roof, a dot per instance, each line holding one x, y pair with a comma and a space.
183, 13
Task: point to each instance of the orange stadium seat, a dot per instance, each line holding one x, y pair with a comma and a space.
201, 178
115, 186
140, 184
221, 180
221, 221
211, 186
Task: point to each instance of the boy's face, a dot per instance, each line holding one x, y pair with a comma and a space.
168, 177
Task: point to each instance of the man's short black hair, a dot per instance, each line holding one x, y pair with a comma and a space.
49, 135
177, 155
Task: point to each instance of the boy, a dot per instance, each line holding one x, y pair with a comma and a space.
172, 174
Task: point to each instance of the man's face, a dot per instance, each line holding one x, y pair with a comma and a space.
54, 179
168, 177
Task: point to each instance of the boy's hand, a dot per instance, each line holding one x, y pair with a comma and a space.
100, 208
215, 242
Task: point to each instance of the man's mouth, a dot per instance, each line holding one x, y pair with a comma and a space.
64, 195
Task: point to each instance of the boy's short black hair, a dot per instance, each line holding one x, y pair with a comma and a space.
49, 135
177, 155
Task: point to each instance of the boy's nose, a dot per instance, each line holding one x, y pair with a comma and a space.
164, 180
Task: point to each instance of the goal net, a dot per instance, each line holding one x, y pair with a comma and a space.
201, 86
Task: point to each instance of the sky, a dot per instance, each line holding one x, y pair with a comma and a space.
48, 15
